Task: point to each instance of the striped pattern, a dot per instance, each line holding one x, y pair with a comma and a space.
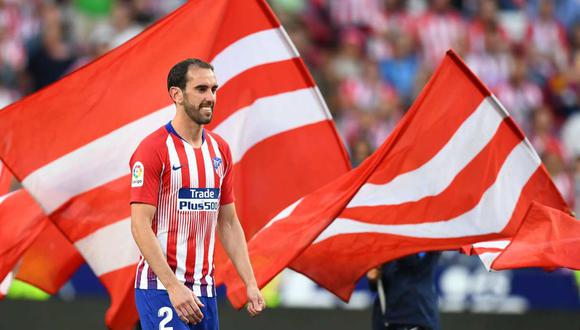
73, 153
456, 169
187, 238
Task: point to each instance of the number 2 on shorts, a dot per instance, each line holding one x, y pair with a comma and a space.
167, 314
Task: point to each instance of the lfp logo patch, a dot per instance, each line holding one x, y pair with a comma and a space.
137, 174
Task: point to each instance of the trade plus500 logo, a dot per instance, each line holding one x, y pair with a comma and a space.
198, 199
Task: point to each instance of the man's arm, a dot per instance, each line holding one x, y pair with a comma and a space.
183, 300
231, 235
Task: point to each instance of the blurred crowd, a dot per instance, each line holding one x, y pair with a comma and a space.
370, 58
42, 40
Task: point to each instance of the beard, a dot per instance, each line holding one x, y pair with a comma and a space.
194, 112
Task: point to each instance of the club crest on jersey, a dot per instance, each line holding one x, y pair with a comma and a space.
137, 174
198, 199
217, 162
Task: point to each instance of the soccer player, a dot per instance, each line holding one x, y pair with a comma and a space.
181, 194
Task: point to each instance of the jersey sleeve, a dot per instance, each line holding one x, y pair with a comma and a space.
146, 168
227, 191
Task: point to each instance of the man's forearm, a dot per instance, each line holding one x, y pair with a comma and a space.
234, 242
151, 251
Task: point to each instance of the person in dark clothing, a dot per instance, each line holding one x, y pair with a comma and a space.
406, 295
52, 57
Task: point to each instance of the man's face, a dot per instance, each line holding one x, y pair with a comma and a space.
200, 94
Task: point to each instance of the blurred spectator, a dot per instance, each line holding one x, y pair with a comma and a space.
406, 295
143, 12
400, 71
394, 22
12, 54
440, 29
360, 151
566, 11
485, 20
54, 55
367, 90
564, 87
571, 134
548, 146
547, 43
493, 62
519, 95
354, 13
123, 23
347, 63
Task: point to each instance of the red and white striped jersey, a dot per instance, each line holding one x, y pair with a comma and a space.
187, 185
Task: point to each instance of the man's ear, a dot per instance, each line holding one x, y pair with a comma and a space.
176, 94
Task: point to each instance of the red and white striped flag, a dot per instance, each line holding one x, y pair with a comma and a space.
455, 171
32, 249
70, 143
21, 221
548, 238
50, 261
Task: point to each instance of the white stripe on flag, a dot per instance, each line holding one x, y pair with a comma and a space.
463, 146
4, 197
6, 283
109, 248
492, 244
259, 48
283, 214
488, 258
270, 116
490, 215
92, 165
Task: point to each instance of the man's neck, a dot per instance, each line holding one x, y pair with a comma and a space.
189, 130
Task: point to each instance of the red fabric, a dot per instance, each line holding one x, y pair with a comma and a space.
50, 261
548, 238
127, 85
334, 242
21, 221
5, 179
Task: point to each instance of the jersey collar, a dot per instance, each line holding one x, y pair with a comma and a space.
172, 130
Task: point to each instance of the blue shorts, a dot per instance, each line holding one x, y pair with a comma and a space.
157, 313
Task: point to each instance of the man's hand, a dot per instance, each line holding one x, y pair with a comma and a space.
373, 275
256, 302
185, 303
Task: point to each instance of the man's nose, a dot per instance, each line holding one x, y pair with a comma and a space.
209, 96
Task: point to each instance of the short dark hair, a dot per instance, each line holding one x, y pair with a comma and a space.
177, 74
